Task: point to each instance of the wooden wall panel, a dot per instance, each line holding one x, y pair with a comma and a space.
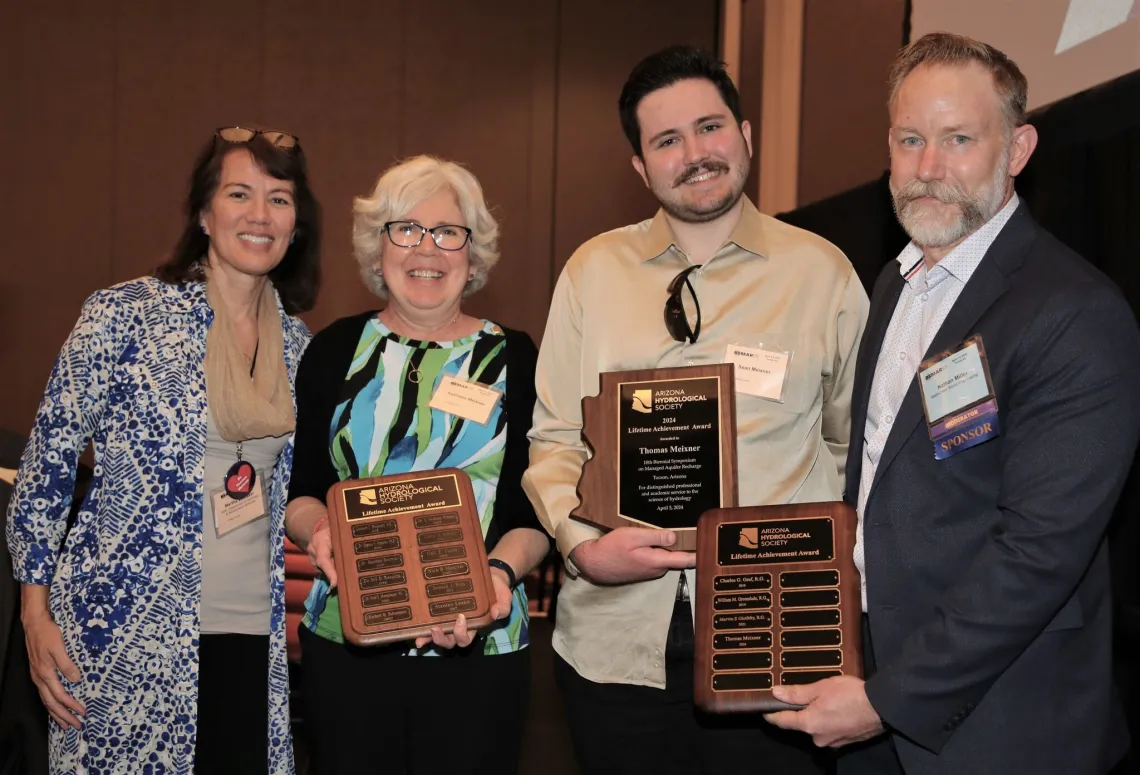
56, 125
333, 75
476, 105
751, 84
848, 49
596, 188
106, 106
183, 70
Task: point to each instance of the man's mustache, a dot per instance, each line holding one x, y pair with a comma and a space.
699, 168
944, 192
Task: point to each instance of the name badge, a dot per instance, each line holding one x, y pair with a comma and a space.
761, 372
958, 398
468, 400
232, 513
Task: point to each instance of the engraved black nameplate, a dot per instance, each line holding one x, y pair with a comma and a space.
743, 640
743, 583
748, 621
742, 602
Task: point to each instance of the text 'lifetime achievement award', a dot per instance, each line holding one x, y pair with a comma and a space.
777, 603
664, 449
409, 555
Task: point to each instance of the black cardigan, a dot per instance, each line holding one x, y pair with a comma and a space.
320, 379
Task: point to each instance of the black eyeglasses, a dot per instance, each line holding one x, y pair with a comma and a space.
276, 138
408, 234
676, 321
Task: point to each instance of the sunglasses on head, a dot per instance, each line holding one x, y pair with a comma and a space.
676, 322
276, 138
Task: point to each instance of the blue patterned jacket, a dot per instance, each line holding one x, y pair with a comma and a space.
126, 587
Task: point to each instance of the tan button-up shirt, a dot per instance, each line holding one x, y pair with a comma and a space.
770, 286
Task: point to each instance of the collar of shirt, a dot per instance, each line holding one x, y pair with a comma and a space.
962, 261
749, 234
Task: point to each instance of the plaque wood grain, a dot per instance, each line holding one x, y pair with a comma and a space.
763, 619
598, 493
408, 561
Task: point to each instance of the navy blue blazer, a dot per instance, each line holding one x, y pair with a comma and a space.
987, 573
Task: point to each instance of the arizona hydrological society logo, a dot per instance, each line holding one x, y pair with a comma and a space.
643, 401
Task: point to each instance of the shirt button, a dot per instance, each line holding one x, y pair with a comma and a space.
657, 664
902, 356
888, 419
924, 296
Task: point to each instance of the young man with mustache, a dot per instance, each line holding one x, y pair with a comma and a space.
995, 419
624, 632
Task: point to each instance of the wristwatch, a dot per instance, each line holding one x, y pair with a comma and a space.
512, 582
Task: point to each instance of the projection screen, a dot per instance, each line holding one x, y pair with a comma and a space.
1062, 46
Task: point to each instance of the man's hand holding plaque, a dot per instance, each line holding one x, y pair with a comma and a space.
628, 554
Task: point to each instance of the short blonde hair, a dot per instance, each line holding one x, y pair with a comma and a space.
943, 48
403, 186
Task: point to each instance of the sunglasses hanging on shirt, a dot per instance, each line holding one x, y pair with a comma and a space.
676, 321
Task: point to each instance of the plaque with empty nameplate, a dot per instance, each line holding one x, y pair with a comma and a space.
777, 603
409, 556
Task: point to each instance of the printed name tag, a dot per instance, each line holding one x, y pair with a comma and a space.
468, 400
958, 398
230, 513
759, 372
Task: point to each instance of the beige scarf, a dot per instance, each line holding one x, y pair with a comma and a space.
245, 408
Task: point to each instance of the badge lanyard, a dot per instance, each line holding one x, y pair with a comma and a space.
241, 476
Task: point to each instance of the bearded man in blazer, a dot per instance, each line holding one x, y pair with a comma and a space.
995, 416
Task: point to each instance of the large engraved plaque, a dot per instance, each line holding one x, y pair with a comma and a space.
664, 449
778, 602
409, 555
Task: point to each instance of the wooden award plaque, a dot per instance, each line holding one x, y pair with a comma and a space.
409, 555
664, 449
778, 603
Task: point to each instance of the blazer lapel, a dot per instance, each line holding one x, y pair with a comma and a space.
987, 284
873, 335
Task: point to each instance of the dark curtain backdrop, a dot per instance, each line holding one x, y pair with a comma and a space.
1083, 185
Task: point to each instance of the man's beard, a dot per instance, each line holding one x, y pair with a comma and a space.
701, 212
974, 209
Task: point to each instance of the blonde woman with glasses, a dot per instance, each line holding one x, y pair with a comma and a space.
425, 241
